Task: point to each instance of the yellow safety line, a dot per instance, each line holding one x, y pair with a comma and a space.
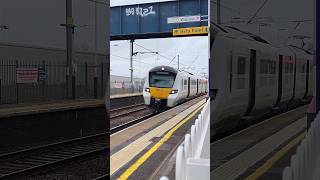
270, 162
145, 156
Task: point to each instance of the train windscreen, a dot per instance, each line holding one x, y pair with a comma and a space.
161, 79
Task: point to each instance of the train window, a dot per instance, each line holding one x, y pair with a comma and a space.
161, 81
272, 67
185, 82
267, 66
263, 67
182, 84
241, 65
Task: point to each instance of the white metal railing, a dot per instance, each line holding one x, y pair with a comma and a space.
305, 164
193, 155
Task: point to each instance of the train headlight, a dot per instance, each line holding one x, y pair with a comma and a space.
174, 91
147, 90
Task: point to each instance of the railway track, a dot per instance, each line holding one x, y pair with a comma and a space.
130, 123
103, 177
39, 158
125, 117
129, 116
125, 111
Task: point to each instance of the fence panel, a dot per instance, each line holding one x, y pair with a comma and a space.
29, 81
125, 87
305, 164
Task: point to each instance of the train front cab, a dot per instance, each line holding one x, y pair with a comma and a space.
162, 90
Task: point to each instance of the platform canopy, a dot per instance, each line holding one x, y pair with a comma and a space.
156, 20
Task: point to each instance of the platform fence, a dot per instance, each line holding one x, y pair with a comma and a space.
305, 164
125, 87
25, 81
193, 155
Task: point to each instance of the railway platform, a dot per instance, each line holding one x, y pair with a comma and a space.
30, 125
144, 150
34, 108
261, 151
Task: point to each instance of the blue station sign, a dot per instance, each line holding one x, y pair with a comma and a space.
156, 19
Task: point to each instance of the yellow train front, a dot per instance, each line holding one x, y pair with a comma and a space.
166, 87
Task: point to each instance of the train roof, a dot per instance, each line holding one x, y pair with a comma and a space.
173, 70
162, 68
237, 34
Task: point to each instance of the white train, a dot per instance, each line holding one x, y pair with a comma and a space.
249, 77
166, 87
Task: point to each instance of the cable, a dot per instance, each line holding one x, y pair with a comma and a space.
129, 59
169, 59
172, 60
227, 7
256, 13
153, 51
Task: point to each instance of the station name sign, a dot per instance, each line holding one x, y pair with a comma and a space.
190, 31
184, 19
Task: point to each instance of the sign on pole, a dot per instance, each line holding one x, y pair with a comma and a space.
27, 75
190, 31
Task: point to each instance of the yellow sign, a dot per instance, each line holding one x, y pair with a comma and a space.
190, 31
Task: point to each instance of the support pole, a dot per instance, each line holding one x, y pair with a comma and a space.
69, 39
131, 63
95, 80
317, 54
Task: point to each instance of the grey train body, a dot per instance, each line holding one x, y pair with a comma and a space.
249, 77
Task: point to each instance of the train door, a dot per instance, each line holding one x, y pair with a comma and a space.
188, 87
280, 73
252, 81
306, 70
197, 86
294, 77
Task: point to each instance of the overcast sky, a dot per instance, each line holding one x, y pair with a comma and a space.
275, 14
38, 23
192, 51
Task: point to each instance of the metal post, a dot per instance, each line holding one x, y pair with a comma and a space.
95, 53
43, 81
69, 39
0, 90
218, 12
95, 87
86, 76
131, 63
102, 80
17, 85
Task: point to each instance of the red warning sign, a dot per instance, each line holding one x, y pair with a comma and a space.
27, 75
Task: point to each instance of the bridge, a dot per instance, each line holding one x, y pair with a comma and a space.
159, 20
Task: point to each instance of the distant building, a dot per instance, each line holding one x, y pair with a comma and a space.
115, 82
